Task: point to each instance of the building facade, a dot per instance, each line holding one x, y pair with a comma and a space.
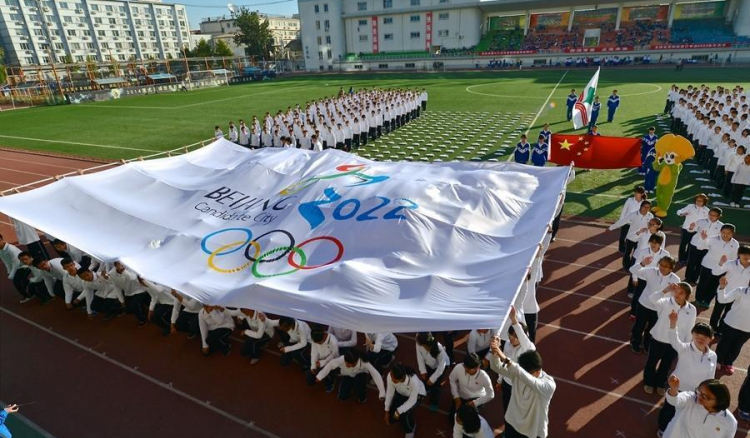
283, 28
39, 32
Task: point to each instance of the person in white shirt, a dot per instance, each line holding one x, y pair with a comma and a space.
29, 237
701, 413
380, 349
720, 249
295, 337
674, 298
527, 415
101, 296
692, 214
216, 325
54, 271
637, 221
233, 133
257, 331
631, 206
70, 251
740, 181
736, 329
470, 384
217, 132
324, 348
518, 343
72, 284
479, 343
432, 361
733, 162
354, 370
137, 297
654, 227
404, 391
346, 338
316, 146
188, 320
645, 257
656, 279
162, 310
696, 361
704, 227
469, 424
737, 273
16, 272
40, 283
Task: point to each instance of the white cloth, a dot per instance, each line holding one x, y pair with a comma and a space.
25, 233
692, 420
454, 239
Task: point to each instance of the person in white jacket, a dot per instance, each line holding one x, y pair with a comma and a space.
216, 325
354, 369
432, 360
258, 331
701, 413
631, 206
637, 221
692, 213
528, 412
470, 384
346, 339
737, 323
740, 181
323, 349
295, 339
469, 424
404, 391
517, 344
380, 349
9, 256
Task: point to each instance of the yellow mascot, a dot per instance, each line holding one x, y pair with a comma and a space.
671, 151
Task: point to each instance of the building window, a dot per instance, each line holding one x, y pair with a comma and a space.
443, 16
382, 66
357, 66
94, 7
362, 6
414, 18
317, 9
388, 36
388, 20
414, 35
443, 1
387, 4
327, 25
410, 65
414, 2
328, 39
63, 5
442, 33
320, 55
320, 41
362, 22
25, 46
329, 54
101, 33
317, 24
363, 38
325, 7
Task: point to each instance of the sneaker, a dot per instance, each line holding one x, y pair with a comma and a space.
661, 391
141, 324
26, 300
659, 433
110, 316
744, 415
192, 335
631, 318
329, 388
634, 349
363, 400
648, 389
254, 361
729, 369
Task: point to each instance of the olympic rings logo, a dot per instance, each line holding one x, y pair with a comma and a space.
295, 256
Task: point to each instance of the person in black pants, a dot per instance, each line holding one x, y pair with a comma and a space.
691, 213
743, 401
216, 325
696, 254
716, 255
402, 382
735, 333
295, 338
432, 360
354, 369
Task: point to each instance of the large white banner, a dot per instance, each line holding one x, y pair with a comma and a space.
326, 237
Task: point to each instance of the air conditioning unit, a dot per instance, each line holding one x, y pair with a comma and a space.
46, 9
97, 24
109, 13
32, 9
49, 23
29, 52
13, 9
19, 23
86, 38
23, 38
79, 11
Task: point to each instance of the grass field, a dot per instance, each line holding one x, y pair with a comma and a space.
474, 114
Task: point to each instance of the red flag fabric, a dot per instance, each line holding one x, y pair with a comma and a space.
595, 151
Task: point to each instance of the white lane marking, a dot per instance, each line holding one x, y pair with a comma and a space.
77, 143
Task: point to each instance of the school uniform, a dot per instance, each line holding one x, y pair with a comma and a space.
635, 221
257, 331
233, 135
103, 297
717, 248
353, 378
736, 329
266, 140
697, 249
595, 108
660, 351
539, 154
513, 352
255, 140
41, 284
692, 420
530, 305
648, 142
740, 182
346, 339
645, 236
295, 343
528, 412
137, 298
570, 103
57, 273
322, 353
631, 206
521, 154
646, 314
475, 388
693, 214
383, 347
547, 135
317, 146
733, 162
434, 369
28, 237
403, 397
215, 328
16, 271
480, 343
693, 367
188, 319
72, 286
162, 307
640, 284
244, 136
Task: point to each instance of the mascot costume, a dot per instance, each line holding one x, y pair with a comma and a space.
671, 151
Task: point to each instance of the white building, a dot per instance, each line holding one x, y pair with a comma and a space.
36, 31
283, 28
333, 28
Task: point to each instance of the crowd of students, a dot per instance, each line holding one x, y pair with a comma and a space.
716, 122
343, 122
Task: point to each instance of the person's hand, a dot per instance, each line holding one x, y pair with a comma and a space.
723, 282
498, 387
76, 301
423, 376
429, 382
204, 351
674, 382
282, 350
105, 275
388, 418
641, 231
11, 409
513, 316
317, 380
150, 315
634, 281
704, 234
172, 329
457, 402
691, 227
723, 259
396, 415
317, 364
470, 403
174, 293
262, 316
673, 319
69, 306
381, 397
647, 260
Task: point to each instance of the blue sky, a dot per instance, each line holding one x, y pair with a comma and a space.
217, 8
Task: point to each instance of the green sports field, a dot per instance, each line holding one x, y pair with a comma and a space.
472, 115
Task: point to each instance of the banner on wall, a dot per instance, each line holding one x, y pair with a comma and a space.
507, 52
702, 10
556, 19
326, 237
595, 17
509, 22
655, 13
599, 49
690, 46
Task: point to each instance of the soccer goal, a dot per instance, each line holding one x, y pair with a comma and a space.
207, 78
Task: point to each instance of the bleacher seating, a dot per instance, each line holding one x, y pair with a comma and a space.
504, 39
635, 34
546, 38
704, 31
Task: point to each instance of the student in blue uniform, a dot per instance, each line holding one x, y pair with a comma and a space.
594, 130
571, 102
546, 133
650, 180
540, 152
612, 104
595, 107
648, 142
521, 155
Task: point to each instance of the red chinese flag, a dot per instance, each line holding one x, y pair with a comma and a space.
595, 151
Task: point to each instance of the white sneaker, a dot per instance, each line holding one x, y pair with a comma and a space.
254, 361
26, 300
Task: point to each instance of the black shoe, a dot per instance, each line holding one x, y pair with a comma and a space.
110, 316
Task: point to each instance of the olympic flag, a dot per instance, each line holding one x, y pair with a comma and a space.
326, 237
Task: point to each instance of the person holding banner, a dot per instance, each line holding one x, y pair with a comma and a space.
380, 349
354, 368
571, 103
595, 108
258, 332
216, 325
432, 361
403, 393
612, 104
647, 144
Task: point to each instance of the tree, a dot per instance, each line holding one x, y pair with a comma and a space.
221, 48
202, 49
2, 66
254, 33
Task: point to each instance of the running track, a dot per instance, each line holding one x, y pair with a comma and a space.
96, 378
